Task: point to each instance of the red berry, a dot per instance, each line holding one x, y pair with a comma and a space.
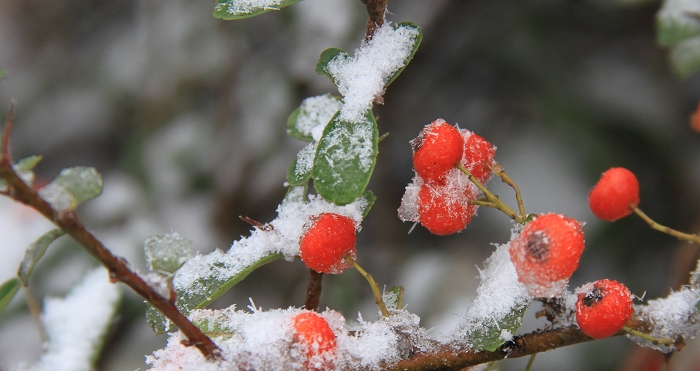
478, 155
444, 209
317, 339
616, 190
603, 308
436, 150
326, 243
546, 253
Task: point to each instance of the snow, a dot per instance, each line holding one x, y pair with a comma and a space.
344, 144
236, 7
315, 113
305, 159
75, 324
57, 196
363, 77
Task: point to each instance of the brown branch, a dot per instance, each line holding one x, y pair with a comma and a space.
375, 19
313, 290
117, 267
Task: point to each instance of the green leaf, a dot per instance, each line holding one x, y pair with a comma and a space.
7, 292
677, 20
326, 56
369, 198
345, 159
292, 127
488, 337
313, 114
239, 9
34, 252
215, 323
167, 253
416, 43
72, 187
299, 171
205, 289
24, 168
685, 57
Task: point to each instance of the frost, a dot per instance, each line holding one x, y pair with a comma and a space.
670, 317
76, 323
408, 211
165, 254
58, 197
359, 146
498, 296
305, 159
239, 7
315, 113
363, 77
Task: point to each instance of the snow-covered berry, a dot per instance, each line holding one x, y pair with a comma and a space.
327, 241
436, 150
603, 307
478, 155
546, 253
444, 209
616, 190
317, 339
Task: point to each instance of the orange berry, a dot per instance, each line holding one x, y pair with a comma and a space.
330, 238
436, 150
318, 340
443, 209
612, 196
478, 155
603, 308
546, 253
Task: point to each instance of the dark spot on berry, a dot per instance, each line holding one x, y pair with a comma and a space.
538, 247
417, 142
592, 298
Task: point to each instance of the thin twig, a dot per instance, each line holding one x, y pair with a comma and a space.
491, 197
665, 341
117, 267
35, 310
375, 15
680, 235
498, 169
530, 362
373, 284
313, 290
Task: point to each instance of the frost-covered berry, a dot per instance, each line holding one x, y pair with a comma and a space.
546, 253
478, 155
616, 190
603, 307
317, 339
436, 150
327, 241
444, 209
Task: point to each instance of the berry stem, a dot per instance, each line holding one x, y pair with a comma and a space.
661, 228
665, 341
530, 362
497, 203
373, 284
498, 169
483, 203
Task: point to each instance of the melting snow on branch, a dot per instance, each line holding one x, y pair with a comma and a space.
363, 77
76, 323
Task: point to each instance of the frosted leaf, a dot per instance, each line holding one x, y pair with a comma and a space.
75, 324
166, 253
300, 170
34, 252
313, 115
500, 303
678, 20
237, 9
23, 168
72, 187
364, 76
8, 289
670, 317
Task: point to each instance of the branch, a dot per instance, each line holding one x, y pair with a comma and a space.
375, 19
117, 267
313, 290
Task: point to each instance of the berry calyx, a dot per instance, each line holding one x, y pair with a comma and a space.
478, 155
444, 209
614, 194
603, 308
317, 339
546, 253
436, 150
327, 241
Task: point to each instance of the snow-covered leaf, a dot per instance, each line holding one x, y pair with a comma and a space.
370, 198
297, 194
34, 252
491, 336
299, 171
239, 9
677, 20
345, 159
166, 253
205, 289
416, 43
7, 292
308, 121
23, 168
326, 56
685, 56
72, 187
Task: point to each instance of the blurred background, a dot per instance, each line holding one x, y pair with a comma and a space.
184, 115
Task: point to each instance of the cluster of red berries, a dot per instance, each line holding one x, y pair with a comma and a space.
603, 307
444, 191
317, 340
328, 239
546, 253
615, 194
